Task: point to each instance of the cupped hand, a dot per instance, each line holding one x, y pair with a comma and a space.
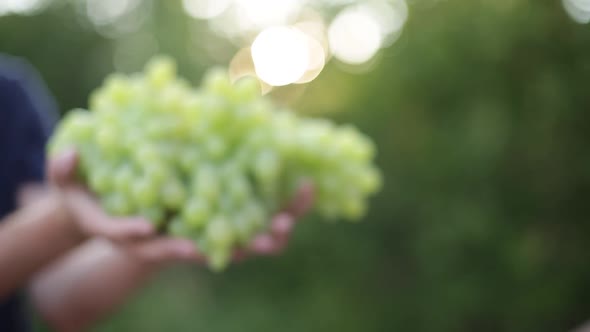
162, 250
276, 239
84, 211
137, 235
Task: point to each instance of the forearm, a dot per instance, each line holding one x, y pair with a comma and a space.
32, 192
87, 285
31, 238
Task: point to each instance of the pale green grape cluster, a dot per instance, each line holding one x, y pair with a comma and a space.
211, 164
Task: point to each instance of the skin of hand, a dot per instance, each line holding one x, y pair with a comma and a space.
90, 282
82, 209
137, 235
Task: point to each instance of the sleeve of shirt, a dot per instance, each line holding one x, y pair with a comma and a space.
30, 127
34, 157
28, 136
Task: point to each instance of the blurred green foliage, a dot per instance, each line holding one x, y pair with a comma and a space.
480, 115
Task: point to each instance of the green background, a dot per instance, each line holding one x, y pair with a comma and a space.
479, 111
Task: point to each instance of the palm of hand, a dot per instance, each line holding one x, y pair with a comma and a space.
137, 236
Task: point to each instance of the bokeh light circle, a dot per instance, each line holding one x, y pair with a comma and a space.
578, 10
354, 36
280, 55
205, 9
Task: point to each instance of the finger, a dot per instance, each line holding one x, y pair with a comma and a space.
167, 250
82, 206
265, 244
122, 229
281, 226
94, 222
61, 168
303, 201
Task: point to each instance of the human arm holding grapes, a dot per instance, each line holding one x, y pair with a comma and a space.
93, 280
53, 224
81, 262
33, 236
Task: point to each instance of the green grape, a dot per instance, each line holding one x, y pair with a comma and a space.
239, 188
369, 180
119, 89
242, 228
157, 172
193, 106
189, 160
241, 158
106, 139
329, 184
285, 142
219, 232
219, 258
146, 154
217, 81
100, 180
230, 169
216, 147
255, 215
226, 204
246, 89
267, 166
161, 71
153, 214
207, 184
179, 228
124, 178
354, 208
196, 212
155, 130
213, 163
171, 99
248, 222
170, 151
81, 124
173, 194
117, 204
145, 191
101, 102
259, 116
134, 139
107, 117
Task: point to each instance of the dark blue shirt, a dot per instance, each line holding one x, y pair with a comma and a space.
27, 113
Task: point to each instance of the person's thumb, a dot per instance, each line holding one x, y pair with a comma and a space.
61, 168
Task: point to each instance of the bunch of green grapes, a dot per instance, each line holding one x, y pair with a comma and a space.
211, 164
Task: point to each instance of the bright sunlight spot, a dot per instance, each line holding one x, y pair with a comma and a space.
103, 12
19, 6
578, 10
242, 65
390, 16
316, 62
354, 36
317, 31
205, 9
281, 55
266, 13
